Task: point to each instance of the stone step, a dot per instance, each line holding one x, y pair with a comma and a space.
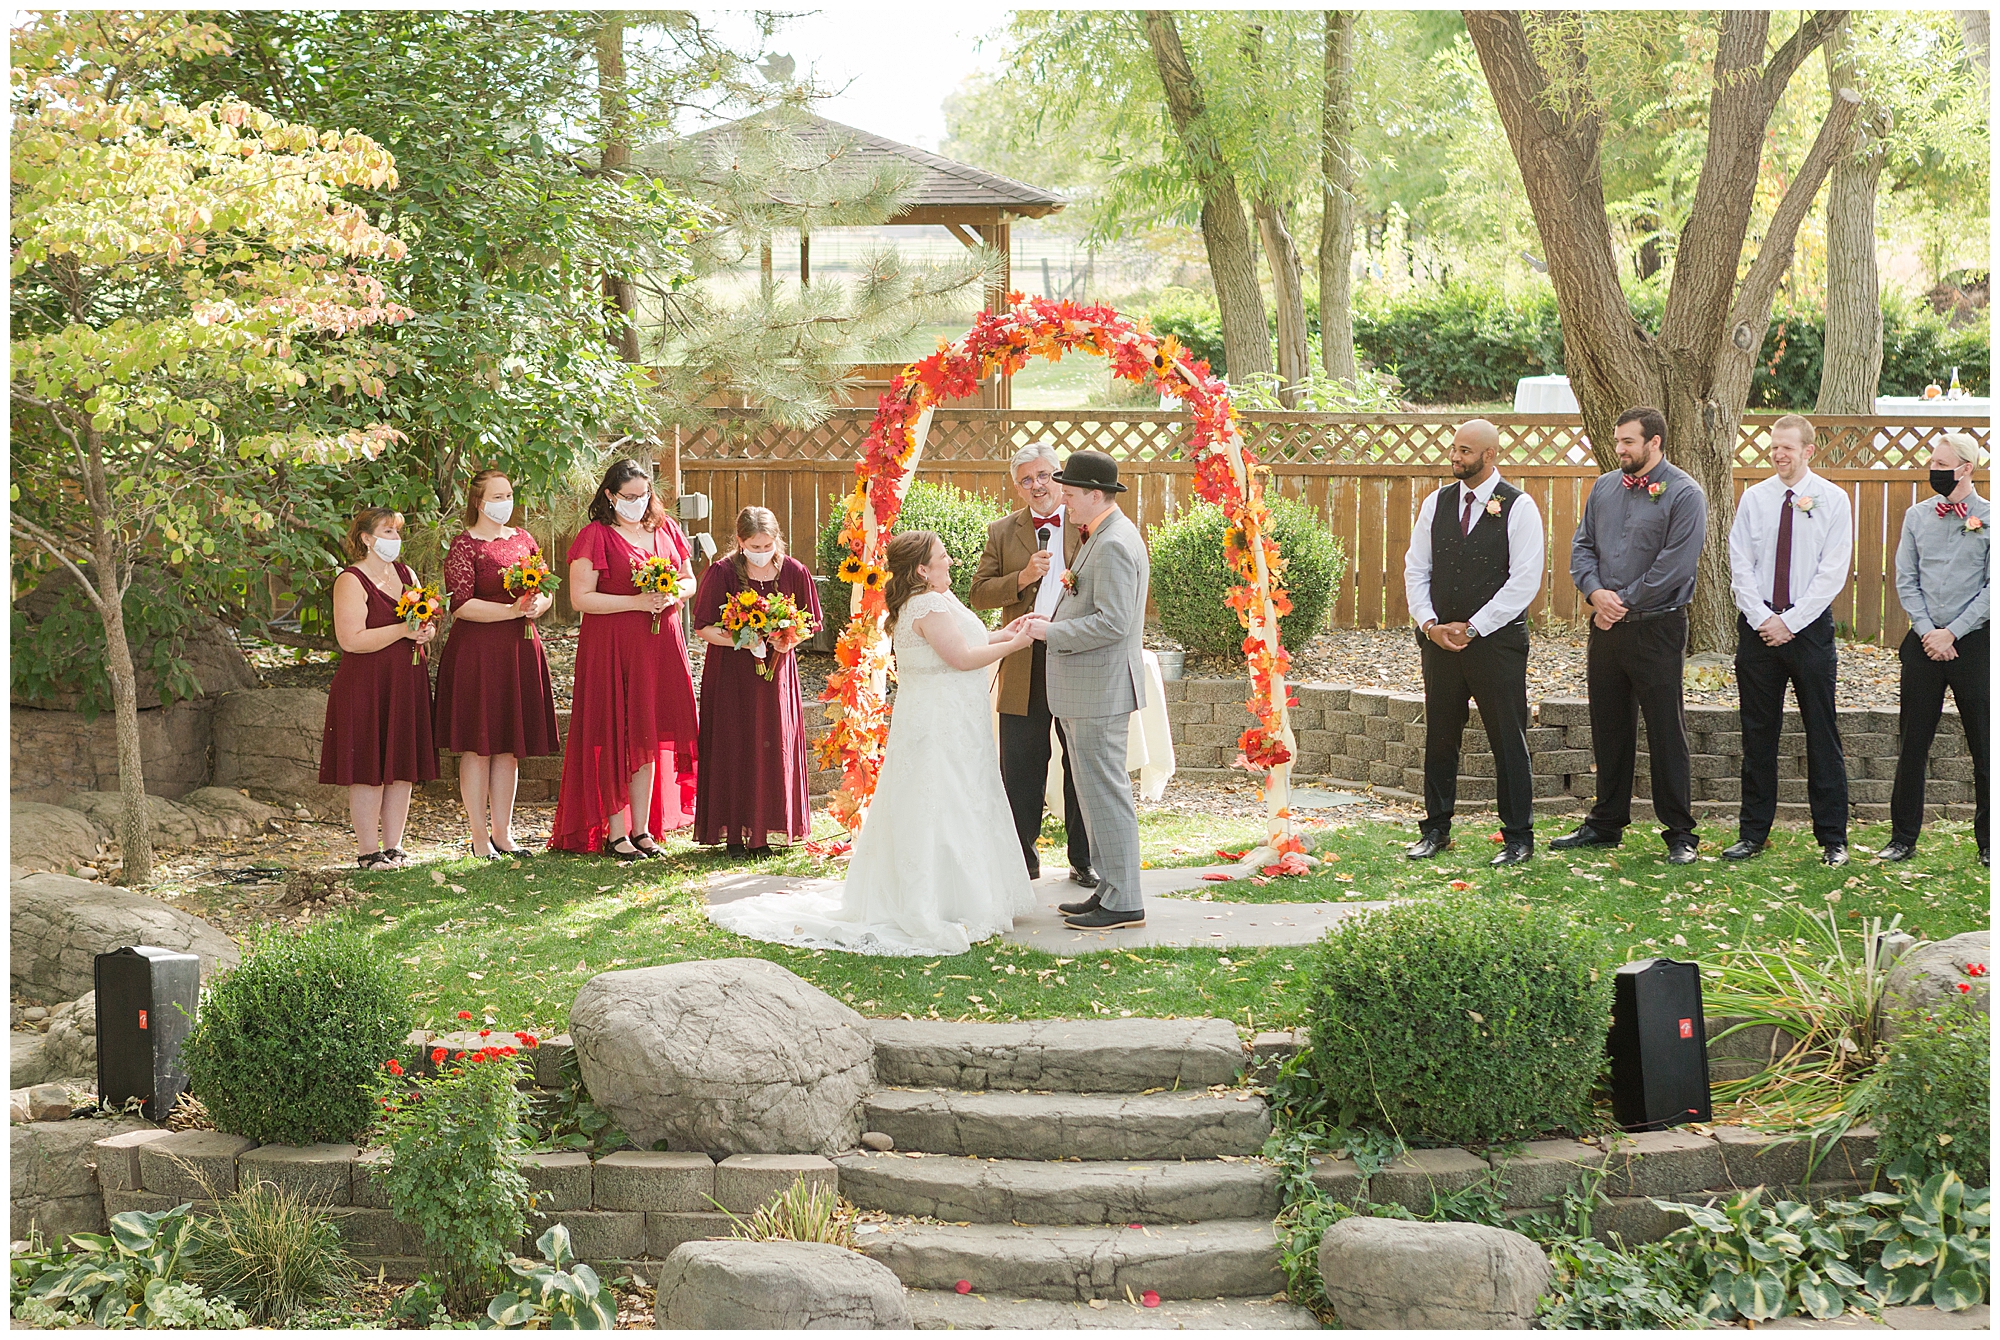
1219, 1259
1010, 1191
932, 1310
1077, 1055
1013, 1125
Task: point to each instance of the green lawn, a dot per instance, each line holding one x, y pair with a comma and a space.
516, 943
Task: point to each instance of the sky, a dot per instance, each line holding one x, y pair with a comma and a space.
898, 63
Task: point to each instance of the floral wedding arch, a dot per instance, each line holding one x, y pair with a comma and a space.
1225, 474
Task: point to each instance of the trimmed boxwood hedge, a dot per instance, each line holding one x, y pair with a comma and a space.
1190, 578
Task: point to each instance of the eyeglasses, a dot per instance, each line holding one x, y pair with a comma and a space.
1044, 477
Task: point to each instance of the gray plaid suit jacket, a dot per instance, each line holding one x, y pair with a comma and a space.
1095, 664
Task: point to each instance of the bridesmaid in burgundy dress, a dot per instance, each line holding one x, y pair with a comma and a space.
629, 764
752, 729
495, 703
377, 742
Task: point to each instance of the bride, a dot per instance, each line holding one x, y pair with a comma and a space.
936, 867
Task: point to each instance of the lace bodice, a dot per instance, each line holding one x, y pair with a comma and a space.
915, 656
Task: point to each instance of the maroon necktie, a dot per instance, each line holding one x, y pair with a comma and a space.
1465, 522
1781, 584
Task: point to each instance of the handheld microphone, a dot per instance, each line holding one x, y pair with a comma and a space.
1042, 537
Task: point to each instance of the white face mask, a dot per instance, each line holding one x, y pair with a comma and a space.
498, 510
760, 560
633, 509
388, 548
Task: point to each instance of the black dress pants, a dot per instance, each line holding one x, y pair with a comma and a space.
1924, 682
1634, 669
1024, 771
1809, 664
1492, 672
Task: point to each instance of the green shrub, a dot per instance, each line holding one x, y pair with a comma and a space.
1190, 576
271, 1254
1192, 317
1462, 1022
1932, 1103
455, 1139
958, 518
286, 1046
1461, 343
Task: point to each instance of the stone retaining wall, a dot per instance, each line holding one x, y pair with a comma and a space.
56, 754
1375, 737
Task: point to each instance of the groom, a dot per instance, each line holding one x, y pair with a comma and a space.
1096, 681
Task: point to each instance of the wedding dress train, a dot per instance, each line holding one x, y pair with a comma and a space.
936, 867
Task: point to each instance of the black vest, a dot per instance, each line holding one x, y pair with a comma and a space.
1469, 570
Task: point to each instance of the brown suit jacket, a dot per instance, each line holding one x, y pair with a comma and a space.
1010, 543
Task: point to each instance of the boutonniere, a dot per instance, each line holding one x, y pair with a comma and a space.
1654, 491
1973, 526
1493, 507
1069, 580
1805, 502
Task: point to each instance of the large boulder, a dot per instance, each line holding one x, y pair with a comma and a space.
52, 1175
61, 924
736, 1055
776, 1286
27, 1059
50, 837
69, 1048
267, 743
1934, 972
207, 813
1393, 1274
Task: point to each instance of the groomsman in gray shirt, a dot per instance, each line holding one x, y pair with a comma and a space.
1788, 554
1944, 582
1634, 559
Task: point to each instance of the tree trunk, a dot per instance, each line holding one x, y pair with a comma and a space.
1647, 262
616, 159
1246, 341
1288, 295
135, 838
1336, 229
1976, 27
1853, 347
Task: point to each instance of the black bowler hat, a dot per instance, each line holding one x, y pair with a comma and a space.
1090, 470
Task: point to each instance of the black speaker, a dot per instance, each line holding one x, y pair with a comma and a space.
1658, 1045
146, 1000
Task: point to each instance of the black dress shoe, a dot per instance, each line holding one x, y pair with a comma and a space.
1834, 853
1513, 853
1425, 847
1090, 904
1104, 919
626, 856
1681, 854
1587, 836
1897, 851
1986, 857
1743, 850
1085, 878
1034, 873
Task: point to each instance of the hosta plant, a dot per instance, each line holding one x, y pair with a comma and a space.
128, 1278
1936, 1241
1755, 1261
556, 1293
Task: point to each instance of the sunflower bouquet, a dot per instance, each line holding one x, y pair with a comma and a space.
752, 620
530, 577
655, 575
417, 606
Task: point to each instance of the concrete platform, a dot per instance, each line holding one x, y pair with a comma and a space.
1180, 923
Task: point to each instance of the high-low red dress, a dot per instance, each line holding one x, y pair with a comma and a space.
494, 695
753, 734
632, 702
378, 710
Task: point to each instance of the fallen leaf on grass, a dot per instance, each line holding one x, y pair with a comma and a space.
1218, 878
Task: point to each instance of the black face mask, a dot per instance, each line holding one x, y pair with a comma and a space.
1943, 482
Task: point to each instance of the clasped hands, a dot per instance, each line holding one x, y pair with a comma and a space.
1451, 636
1028, 628
1609, 608
532, 604
1940, 645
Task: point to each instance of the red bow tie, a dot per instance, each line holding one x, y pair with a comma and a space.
1040, 521
1083, 531
1951, 509
1638, 481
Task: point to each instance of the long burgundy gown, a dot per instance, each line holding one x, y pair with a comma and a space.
632, 702
753, 738
378, 709
494, 695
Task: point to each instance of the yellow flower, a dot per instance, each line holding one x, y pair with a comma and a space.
851, 569
756, 620
746, 598
873, 578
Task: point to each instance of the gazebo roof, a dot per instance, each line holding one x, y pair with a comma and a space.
945, 191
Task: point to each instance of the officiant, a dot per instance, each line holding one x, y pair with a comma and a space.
1020, 572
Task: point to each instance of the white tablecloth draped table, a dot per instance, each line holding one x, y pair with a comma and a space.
1937, 413
1544, 395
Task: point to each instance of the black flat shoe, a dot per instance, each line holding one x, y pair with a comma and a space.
1083, 878
1426, 847
374, 860
651, 848
1084, 908
1513, 853
1587, 836
1104, 919
1743, 850
1897, 851
1834, 853
626, 857
511, 852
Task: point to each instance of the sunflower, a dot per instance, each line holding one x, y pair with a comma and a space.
873, 578
746, 599
1164, 356
852, 568
756, 620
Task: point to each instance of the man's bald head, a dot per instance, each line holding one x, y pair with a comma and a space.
1473, 449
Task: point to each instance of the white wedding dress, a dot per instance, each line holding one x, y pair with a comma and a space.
936, 867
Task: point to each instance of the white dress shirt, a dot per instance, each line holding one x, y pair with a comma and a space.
1051, 589
1822, 544
1525, 549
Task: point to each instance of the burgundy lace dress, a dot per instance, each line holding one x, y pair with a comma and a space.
494, 695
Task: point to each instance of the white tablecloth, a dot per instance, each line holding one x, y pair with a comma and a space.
1544, 395
1922, 413
1149, 750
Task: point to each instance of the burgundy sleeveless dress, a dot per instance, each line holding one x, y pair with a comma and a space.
494, 695
753, 733
378, 710
632, 702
